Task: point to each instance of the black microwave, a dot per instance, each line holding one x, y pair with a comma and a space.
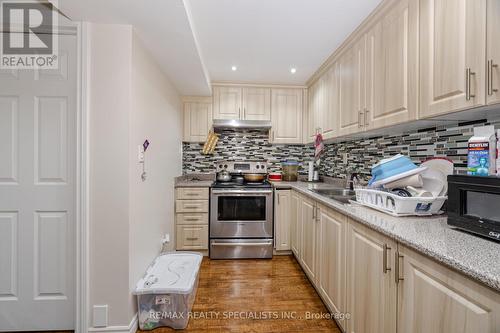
474, 204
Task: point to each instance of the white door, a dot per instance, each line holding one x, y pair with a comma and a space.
37, 195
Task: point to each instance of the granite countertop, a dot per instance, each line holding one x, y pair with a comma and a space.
473, 256
195, 180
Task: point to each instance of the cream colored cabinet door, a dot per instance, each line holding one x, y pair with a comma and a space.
435, 299
295, 224
332, 260
330, 103
282, 219
227, 102
452, 55
286, 116
351, 71
392, 67
256, 104
493, 52
313, 110
197, 121
371, 288
309, 229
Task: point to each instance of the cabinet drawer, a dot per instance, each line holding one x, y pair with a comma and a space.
192, 237
192, 218
191, 193
191, 206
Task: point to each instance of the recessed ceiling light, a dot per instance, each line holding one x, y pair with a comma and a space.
293, 70
234, 68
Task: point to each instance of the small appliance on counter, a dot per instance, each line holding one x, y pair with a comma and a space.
474, 204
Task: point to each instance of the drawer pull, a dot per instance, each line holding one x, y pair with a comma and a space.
192, 238
193, 207
191, 219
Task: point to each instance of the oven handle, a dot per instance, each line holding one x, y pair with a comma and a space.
242, 244
242, 192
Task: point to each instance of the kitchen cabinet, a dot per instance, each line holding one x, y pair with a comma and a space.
332, 260
371, 287
452, 55
286, 116
191, 218
256, 104
323, 97
197, 119
493, 52
227, 102
295, 224
309, 221
282, 211
435, 299
245, 103
392, 67
351, 81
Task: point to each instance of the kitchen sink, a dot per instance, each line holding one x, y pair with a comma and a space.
337, 194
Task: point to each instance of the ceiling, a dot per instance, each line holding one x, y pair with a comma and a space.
198, 41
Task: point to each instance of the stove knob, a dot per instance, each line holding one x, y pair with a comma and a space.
225, 166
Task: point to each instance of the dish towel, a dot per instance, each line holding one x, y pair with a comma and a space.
319, 146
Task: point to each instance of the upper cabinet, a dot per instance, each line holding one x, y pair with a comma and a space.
493, 52
227, 102
392, 67
452, 55
351, 81
286, 116
256, 104
245, 103
197, 118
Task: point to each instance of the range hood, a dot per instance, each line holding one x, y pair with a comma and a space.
243, 124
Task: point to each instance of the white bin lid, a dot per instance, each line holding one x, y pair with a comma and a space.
171, 273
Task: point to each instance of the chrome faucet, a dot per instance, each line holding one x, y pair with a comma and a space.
351, 179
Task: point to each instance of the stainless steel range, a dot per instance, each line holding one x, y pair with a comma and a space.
241, 212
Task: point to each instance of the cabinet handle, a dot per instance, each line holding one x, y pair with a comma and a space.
278, 199
239, 113
314, 211
366, 117
468, 84
360, 115
191, 238
397, 257
489, 73
384, 263
191, 207
317, 214
273, 135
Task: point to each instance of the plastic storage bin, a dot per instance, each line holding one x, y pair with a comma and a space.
166, 293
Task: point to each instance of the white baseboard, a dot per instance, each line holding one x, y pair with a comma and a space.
131, 328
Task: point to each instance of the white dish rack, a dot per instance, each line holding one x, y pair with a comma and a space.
399, 206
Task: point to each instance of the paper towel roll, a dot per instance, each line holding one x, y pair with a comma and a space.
310, 174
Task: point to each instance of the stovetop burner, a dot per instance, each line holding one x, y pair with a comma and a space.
264, 184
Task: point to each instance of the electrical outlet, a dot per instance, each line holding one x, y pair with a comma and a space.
166, 239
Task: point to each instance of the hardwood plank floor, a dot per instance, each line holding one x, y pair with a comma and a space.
249, 288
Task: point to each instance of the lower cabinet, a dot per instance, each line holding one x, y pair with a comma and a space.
309, 223
282, 213
295, 224
332, 260
435, 299
384, 286
192, 237
371, 288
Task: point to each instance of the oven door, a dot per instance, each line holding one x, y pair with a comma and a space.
241, 213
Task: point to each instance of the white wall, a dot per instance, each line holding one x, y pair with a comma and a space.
130, 100
156, 116
110, 75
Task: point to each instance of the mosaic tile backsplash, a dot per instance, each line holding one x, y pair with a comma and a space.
445, 141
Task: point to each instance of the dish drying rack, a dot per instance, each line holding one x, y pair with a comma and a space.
396, 205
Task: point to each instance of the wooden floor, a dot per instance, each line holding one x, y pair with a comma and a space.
255, 287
